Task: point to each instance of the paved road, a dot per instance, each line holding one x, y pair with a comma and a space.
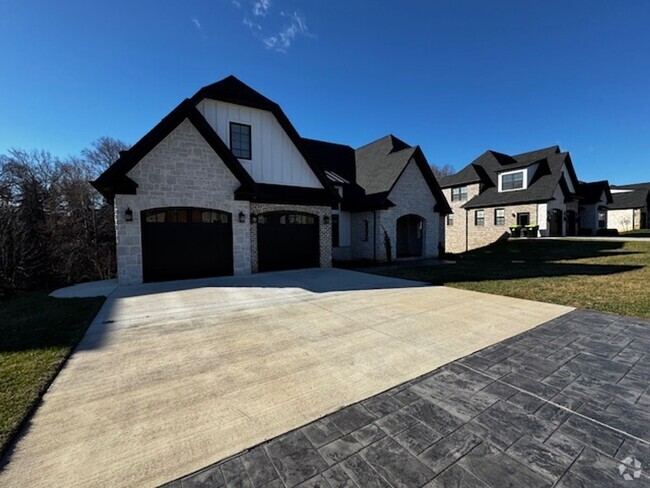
564, 404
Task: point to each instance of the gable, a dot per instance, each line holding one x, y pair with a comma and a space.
115, 180
274, 157
202, 171
418, 182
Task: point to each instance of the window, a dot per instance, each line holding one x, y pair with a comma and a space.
459, 194
523, 218
335, 230
512, 181
364, 236
240, 140
602, 220
479, 217
499, 216
450, 219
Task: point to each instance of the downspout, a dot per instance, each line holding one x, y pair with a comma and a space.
466, 230
374, 236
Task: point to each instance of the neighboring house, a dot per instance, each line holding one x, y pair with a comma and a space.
539, 188
225, 185
594, 198
630, 207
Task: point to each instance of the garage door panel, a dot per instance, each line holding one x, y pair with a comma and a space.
287, 240
186, 243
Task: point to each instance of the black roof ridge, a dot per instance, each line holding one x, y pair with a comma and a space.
554, 146
310, 139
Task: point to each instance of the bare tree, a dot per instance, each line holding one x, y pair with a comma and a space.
104, 152
441, 171
54, 227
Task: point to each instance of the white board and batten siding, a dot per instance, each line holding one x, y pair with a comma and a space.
275, 159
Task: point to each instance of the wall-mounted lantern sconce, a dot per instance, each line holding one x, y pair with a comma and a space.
253, 218
326, 219
128, 215
514, 214
242, 217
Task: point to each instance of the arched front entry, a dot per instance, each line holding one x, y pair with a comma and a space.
185, 243
555, 223
410, 234
287, 240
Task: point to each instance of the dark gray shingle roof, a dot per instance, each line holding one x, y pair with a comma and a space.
639, 197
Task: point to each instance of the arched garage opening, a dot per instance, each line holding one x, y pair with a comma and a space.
410, 234
186, 243
287, 240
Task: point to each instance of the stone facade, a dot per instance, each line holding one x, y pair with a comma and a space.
325, 230
455, 240
624, 220
411, 195
181, 171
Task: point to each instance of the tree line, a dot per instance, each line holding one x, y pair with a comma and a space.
55, 229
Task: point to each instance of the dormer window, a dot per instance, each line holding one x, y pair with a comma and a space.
512, 181
240, 140
459, 194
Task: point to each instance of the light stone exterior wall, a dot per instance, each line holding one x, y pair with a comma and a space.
455, 234
362, 247
623, 220
325, 230
482, 235
181, 171
411, 195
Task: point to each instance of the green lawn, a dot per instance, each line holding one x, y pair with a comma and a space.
637, 233
607, 276
37, 334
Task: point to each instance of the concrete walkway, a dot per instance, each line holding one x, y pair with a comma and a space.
174, 376
85, 290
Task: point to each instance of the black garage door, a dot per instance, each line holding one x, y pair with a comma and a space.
287, 240
184, 243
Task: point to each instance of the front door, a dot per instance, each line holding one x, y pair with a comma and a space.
410, 230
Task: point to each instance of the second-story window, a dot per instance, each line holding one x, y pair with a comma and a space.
512, 181
240, 140
459, 194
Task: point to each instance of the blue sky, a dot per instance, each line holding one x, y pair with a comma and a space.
456, 77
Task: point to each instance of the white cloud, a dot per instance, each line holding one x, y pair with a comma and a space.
276, 29
261, 8
285, 37
196, 22
251, 25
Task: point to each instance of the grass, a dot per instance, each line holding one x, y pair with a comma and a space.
636, 233
606, 276
38, 334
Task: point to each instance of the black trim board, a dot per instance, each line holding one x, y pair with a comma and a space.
233, 90
115, 180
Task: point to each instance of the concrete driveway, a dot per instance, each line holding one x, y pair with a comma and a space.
174, 376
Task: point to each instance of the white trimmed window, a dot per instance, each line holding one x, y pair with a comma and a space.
512, 181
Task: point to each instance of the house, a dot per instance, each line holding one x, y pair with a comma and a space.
538, 189
224, 185
630, 207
